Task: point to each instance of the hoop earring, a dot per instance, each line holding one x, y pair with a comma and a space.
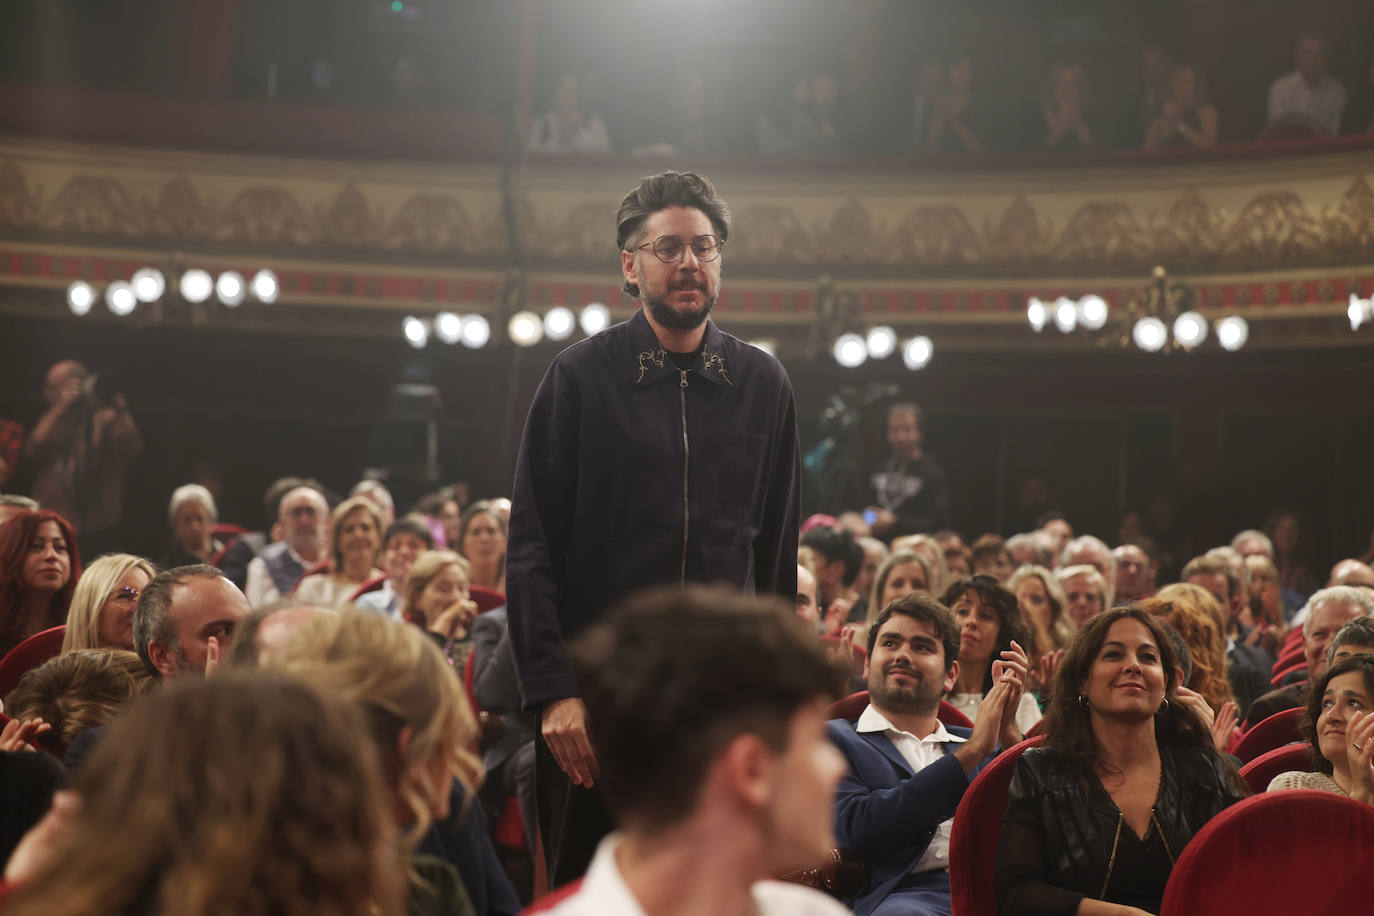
1083, 702
1163, 707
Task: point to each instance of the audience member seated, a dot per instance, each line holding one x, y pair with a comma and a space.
992, 558
908, 493
39, 569
1085, 592
1064, 124
355, 539
1249, 666
11, 504
1193, 613
1056, 525
1296, 579
1188, 118
928, 549
1309, 96
1099, 813
907, 771
1030, 548
1154, 89
1093, 552
406, 540
1252, 542
1327, 613
1135, 573
991, 636
442, 509
482, 537
180, 615
436, 601
1043, 611
1351, 572
958, 557
566, 128
1339, 728
875, 554
75, 692
191, 514
1265, 605
955, 126
300, 536
418, 719
508, 747
719, 782
375, 492
838, 558
235, 795
807, 608
901, 574
102, 609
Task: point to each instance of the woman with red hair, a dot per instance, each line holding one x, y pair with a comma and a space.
39, 566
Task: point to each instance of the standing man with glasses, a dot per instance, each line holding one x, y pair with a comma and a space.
660, 451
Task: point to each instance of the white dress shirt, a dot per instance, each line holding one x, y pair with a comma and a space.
919, 753
1323, 103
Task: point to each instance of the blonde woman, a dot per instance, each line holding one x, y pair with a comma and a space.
418, 718
101, 615
355, 540
899, 575
436, 601
1043, 605
934, 554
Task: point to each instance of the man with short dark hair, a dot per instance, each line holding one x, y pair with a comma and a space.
1135, 573
405, 540
659, 451
707, 712
909, 493
839, 559
178, 615
1309, 95
907, 770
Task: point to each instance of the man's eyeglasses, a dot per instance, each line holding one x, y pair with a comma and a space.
669, 248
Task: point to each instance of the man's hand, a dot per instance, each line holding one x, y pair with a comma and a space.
843, 653
564, 726
884, 520
1011, 670
985, 727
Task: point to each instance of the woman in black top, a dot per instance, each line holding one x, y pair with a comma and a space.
1099, 814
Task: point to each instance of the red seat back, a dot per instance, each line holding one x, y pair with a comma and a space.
1279, 729
486, 598
1278, 676
29, 654
318, 569
977, 826
552, 899
1281, 852
371, 585
1258, 773
852, 706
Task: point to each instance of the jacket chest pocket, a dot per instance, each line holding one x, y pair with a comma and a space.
739, 461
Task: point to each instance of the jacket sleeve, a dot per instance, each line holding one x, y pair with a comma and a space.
542, 503
775, 547
895, 822
493, 669
1020, 881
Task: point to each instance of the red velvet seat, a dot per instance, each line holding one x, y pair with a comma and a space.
852, 706
486, 598
1280, 852
973, 838
1279, 729
552, 899
318, 569
371, 585
1258, 773
29, 654
1289, 654
1278, 676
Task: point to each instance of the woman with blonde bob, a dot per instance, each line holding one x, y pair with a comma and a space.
261, 799
437, 601
1043, 607
416, 712
902, 573
355, 537
101, 615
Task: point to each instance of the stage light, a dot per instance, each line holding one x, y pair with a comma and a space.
1065, 314
476, 332
917, 352
768, 346
850, 350
1190, 329
196, 285
559, 323
1037, 313
148, 284
1232, 333
525, 329
417, 335
1150, 334
229, 288
119, 296
881, 342
1092, 312
448, 327
595, 318
265, 286
80, 297
1360, 311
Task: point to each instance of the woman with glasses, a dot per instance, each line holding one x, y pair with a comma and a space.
102, 610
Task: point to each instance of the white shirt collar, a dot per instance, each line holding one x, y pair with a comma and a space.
870, 720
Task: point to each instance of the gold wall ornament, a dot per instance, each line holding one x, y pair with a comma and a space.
767, 234
18, 202
179, 212
1019, 235
348, 221
1348, 226
1106, 233
268, 216
937, 236
1274, 226
94, 205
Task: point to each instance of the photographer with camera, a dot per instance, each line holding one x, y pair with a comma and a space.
80, 448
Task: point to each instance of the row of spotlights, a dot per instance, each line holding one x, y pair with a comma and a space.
525, 328
1361, 311
1089, 312
148, 285
1150, 333
852, 350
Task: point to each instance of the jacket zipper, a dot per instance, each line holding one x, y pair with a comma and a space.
686, 509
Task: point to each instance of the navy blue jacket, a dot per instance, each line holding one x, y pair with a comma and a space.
633, 473
885, 812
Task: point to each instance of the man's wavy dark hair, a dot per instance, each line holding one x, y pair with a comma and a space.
659, 192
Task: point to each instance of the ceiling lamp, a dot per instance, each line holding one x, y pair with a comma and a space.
525, 329
1037, 313
196, 285
120, 298
475, 333
448, 327
1092, 312
415, 331
1065, 314
148, 284
850, 350
916, 352
1232, 333
1150, 334
559, 323
80, 297
595, 318
265, 286
229, 288
881, 342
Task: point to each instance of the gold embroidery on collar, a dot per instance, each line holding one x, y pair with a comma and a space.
715, 362
654, 356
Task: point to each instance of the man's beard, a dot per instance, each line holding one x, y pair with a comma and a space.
908, 699
679, 319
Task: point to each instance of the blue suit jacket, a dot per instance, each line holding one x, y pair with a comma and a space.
885, 812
